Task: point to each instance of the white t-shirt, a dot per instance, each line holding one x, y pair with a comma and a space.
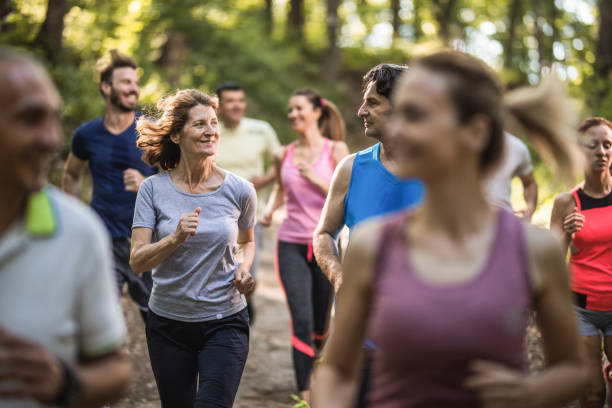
243, 151
516, 162
56, 288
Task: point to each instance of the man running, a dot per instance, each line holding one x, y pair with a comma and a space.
108, 143
364, 184
246, 145
61, 329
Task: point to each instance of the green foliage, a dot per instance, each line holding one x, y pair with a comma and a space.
191, 43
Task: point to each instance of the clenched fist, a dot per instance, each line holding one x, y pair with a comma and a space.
187, 225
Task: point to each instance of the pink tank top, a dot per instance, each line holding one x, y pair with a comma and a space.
303, 200
427, 334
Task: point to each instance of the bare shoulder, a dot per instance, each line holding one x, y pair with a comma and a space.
342, 174
546, 261
564, 202
279, 154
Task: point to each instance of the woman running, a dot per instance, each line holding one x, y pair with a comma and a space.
583, 218
304, 170
445, 290
189, 223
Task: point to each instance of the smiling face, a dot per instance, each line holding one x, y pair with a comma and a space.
302, 114
124, 90
424, 125
596, 144
29, 127
374, 112
200, 134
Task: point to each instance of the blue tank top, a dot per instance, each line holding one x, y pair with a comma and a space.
375, 191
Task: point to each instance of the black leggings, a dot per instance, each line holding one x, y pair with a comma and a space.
309, 296
214, 352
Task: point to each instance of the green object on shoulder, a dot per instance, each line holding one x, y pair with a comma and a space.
40, 218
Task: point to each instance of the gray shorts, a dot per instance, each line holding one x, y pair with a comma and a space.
594, 322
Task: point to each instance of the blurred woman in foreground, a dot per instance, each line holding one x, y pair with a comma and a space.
445, 290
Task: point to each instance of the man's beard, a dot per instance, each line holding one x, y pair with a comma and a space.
114, 99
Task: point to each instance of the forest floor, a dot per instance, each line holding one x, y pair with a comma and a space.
268, 379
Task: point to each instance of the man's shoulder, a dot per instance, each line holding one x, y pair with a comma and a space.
256, 125
75, 219
93, 125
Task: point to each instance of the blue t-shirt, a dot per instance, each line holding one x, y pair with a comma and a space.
109, 155
375, 191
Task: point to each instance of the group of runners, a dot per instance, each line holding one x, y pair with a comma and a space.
433, 294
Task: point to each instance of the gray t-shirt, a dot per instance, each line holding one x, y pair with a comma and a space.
516, 162
194, 283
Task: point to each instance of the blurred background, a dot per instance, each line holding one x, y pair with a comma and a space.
273, 47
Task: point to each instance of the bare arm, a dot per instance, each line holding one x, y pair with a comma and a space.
277, 198
71, 176
331, 221
563, 207
103, 379
530, 192
564, 377
246, 243
145, 255
335, 380
260, 182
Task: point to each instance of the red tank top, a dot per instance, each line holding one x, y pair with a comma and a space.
591, 265
427, 334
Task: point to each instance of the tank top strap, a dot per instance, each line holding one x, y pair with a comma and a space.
577, 198
328, 149
289, 153
391, 236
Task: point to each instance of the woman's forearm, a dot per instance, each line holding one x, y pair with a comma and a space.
148, 256
557, 385
248, 254
320, 184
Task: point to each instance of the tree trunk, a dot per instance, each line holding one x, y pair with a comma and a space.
514, 14
539, 35
295, 18
6, 6
269, 16
333, 52
603, 63
444, 12
418, 31
396, 22
49, 37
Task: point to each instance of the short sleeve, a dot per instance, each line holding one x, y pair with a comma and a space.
144, 212
246, 220
79, 146
272, 143
101, 325
524, 166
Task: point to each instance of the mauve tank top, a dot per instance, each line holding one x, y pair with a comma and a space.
303, 200
427, 334
592, 264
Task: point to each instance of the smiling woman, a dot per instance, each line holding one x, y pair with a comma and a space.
198, 323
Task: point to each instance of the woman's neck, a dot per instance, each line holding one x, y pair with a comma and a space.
312, 137
454, 206
194, 171
598, 184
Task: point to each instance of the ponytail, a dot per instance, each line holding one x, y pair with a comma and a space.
331, 124
545, 114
